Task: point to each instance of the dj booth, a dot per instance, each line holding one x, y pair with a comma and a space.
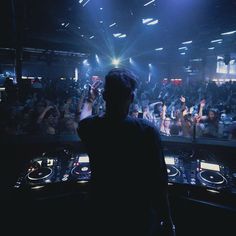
48, 180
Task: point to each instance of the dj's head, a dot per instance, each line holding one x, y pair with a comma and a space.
119, 88
120, 84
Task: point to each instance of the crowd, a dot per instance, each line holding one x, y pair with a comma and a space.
53, 106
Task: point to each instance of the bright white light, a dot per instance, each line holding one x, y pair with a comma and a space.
182, 53
149, 77
80, 1
145, 21
62, 24
101, 8
187, 42
101, 21
117, 35
97, 59
216, 40
115, 62
149, 65
86, 3
153, 22
159, 49
91, 37
76, 74
196, 59
148, 3
130, 60
183, 48
228, 33
122, 36
67, 24
211, 48
113, 24
85, 62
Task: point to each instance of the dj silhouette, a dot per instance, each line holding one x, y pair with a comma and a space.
129, 179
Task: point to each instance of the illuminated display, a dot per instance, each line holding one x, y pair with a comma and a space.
169, 160
84, 158
209, 166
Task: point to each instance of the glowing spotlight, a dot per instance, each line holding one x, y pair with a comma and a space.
150, 65
85, 62
116, 62
131, 60
97, 59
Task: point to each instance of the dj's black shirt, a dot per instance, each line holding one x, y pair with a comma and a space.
128, 172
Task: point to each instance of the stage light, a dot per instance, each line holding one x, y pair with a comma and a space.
159, 49
101, 8
183, 48
148, 3
131, 60
182, 53
76, 74
86, 3
122, 36
228, 33
216, 40
117, 35
85, 62
91, 37
211, 48
153, 22
116, 62
187, 42
113, 24
146, 20
97, 59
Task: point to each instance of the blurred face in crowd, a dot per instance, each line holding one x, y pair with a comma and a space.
211, 115
167, 122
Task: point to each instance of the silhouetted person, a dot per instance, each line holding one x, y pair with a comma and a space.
129, 177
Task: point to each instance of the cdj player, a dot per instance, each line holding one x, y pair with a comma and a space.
175, 168
212, 175
53, 168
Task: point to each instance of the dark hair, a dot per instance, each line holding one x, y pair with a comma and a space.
119, 83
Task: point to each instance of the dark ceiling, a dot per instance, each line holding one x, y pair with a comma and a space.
83, 26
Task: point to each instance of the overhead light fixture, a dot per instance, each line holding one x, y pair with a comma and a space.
211, 48
146, 20
97, 59
216, 40
101, 8
187, 42
159, 49
148, 3
117, 35
91, 37
115, 62
183, 48
113, 24
196, 59
122, 36
86, 3
182, 53
228, 33
153, 22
